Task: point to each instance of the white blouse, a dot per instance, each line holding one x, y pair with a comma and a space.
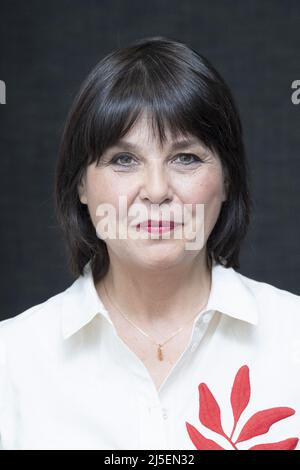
68, 381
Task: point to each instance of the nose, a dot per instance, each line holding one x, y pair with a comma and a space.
155, 185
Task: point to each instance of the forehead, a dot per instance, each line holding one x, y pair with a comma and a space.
142, 135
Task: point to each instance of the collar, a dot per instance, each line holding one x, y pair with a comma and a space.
81, 303
229, 295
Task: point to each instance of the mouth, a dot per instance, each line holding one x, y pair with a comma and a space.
160, 226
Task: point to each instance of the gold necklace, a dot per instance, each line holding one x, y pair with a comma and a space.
159, 345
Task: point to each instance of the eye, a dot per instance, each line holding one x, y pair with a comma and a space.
189, 158
122, 157
125, 160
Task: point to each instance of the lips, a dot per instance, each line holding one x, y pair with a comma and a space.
157, 223
158, 226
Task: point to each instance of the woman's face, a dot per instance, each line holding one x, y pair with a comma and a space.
162, 184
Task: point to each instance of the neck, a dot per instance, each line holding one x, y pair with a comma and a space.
158, 297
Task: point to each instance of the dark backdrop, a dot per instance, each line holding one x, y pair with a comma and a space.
47, 49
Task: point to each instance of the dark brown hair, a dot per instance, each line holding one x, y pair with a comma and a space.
182, 91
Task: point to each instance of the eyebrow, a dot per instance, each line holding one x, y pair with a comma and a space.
175, 146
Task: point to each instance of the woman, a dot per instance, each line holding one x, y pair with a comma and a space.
159, 343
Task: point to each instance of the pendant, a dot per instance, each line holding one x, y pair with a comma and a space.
159, 352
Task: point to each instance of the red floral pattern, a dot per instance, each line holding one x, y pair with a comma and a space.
259, 423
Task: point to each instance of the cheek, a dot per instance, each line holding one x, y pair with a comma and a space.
207, 190
105, 189
212, 199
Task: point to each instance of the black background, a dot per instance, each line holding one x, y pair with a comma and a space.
48, 48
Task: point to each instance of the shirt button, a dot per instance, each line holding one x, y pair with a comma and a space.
206, 317
164, 413
193, 346
152, 407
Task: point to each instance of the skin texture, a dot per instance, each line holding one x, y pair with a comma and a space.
158, 283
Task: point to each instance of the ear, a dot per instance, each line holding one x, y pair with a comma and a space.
82, 192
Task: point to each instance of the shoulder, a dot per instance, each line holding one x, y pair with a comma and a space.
38, 320
271, 300
265, 291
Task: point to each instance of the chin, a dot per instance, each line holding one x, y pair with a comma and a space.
161, 256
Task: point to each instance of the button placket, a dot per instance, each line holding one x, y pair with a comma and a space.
152, 426
165, 413
204, 320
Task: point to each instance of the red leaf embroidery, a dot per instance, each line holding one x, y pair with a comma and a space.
201, 442
209, 413
261, 422
287, 444
240, 393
